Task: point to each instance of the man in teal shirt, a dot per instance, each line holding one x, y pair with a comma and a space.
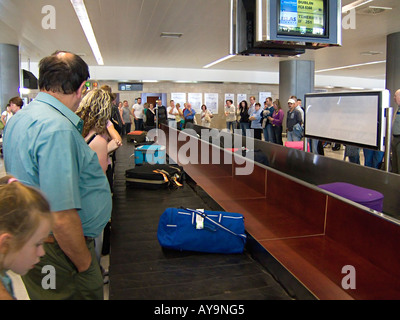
43, 147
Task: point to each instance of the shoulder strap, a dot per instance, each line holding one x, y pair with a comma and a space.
91, 139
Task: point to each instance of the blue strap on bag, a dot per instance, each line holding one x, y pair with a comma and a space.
209, 231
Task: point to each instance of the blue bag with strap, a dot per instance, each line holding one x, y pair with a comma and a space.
203, 231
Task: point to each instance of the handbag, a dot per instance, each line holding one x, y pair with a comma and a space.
202, 231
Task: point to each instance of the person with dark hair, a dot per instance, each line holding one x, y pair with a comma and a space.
16, 104
244, 117
44, 148
126, 117
62, 73
162, 113
255, 119
266, 124
276, 120
230, 114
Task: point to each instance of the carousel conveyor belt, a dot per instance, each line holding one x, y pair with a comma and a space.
141, 270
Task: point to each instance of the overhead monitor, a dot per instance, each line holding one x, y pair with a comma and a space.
286, 27
303, 18
29, 80
354, 118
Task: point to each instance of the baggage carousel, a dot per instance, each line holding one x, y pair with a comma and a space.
141, 270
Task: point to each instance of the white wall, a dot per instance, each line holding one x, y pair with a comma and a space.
207, 75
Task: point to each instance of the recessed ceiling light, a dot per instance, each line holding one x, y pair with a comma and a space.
370, 53
351, 66
229, 56
82, 14
174, 35
354, 5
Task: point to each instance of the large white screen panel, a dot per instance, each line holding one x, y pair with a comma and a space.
345, 118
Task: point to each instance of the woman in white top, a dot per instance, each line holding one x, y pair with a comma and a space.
6, 115
205, 116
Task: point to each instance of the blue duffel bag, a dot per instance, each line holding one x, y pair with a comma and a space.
208, 231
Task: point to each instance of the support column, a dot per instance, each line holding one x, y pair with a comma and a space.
393, 65
9, 73
296, 77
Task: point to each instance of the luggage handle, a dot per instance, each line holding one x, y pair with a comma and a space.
241, 236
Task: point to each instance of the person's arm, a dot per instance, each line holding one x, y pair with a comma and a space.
299, 118
113, 145
132, 112
281, 115
114, 134
3, 117
67, 229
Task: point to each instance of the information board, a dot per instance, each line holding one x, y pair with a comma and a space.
305, 17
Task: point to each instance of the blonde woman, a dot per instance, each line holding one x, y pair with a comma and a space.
95, 111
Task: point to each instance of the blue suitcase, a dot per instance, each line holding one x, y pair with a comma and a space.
208, 231
150, 154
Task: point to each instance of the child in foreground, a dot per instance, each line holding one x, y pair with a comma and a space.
25, 222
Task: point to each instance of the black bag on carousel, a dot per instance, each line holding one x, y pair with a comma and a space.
155, 176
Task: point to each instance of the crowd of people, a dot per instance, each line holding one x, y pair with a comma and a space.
258, 121
58, 153
253, 119
146, 116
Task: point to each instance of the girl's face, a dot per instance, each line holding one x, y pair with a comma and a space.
25, 259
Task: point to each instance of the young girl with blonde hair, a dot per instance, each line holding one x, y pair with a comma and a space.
25, 223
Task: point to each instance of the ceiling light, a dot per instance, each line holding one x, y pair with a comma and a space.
351, 66
355, 4
229, 56
81, 12
174, 35
370, 53
373, 10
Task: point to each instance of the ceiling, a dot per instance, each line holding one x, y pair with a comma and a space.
128, 34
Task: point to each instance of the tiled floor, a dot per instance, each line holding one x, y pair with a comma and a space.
19, 288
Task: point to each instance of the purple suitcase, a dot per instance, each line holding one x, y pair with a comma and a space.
366, 197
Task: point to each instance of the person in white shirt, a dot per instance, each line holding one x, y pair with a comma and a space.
230, 113
6, 115
138, 114
205, 116
252, 106
172, 112
298, 107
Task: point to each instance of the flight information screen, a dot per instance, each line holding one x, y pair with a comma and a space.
302, 17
